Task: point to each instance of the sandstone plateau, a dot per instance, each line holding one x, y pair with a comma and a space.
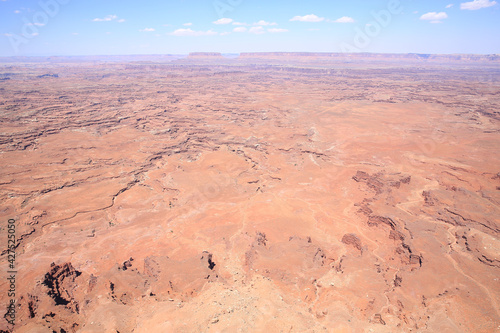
254, 194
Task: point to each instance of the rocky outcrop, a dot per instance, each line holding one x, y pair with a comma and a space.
353, 240
60, 281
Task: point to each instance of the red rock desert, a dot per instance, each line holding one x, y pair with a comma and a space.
272, 192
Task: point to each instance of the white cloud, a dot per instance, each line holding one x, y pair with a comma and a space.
477, 4
38, 24
75, 33
240, 29
262, 22
344, 19
433, 16
256, 30
121, 20
188, 24
106, 19
307, 18
225, 33
189, 32
7, 34
449, 6
276, 30
17, 11
147, 30
239, 23
223, 21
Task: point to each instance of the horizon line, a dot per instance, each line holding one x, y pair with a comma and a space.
252, 52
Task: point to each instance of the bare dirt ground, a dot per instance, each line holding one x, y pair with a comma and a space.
231, 197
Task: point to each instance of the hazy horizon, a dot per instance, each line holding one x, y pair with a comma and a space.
235, 54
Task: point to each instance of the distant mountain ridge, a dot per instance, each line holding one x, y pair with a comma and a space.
256, 56
369, 56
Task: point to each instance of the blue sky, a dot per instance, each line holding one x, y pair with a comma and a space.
91, 27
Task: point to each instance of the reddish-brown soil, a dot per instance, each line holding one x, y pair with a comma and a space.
231, 197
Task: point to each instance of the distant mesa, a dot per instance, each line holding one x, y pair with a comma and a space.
301, 57
47, 75
205, 55
324, 56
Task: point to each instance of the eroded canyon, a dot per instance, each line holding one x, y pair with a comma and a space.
248, 196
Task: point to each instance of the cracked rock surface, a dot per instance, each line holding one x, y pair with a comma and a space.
233, 197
